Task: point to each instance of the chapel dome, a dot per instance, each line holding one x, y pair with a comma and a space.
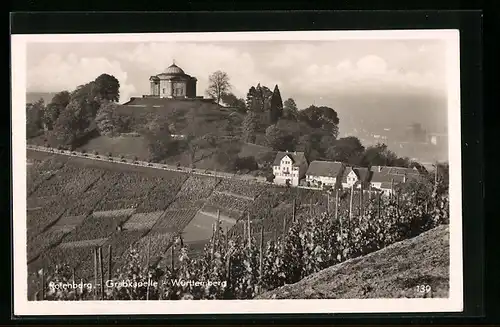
174, 70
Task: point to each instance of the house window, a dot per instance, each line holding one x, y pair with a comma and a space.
164, 90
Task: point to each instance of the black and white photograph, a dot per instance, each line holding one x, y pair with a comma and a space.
303, 172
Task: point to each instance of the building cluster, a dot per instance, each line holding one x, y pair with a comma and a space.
292, 168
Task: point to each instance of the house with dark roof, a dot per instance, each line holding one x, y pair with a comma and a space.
324, 173
385, 181
395, 170
289, 168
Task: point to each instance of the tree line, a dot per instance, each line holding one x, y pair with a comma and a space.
72, 118
313, 130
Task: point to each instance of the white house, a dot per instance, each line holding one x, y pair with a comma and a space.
355, 176
322, 173
385, 180
289, 167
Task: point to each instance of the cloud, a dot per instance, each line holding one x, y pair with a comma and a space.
369, 74
55, 73
303, 70
200, 60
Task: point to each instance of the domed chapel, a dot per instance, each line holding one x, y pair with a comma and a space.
173, 83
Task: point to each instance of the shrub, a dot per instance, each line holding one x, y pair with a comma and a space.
270, 178
110, 154
246, 163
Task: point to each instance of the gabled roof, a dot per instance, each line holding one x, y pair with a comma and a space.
403, 170
325, 168
346, 172
362, 173
386, 178
395, 170
297, 158
381, 169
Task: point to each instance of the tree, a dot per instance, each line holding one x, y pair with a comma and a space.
321, 117
345, 149
34, 114
227, 154
105, 118
54, 108
280, 139
158, 138
231, 100
266, 95
71, 125
85, 96
305, 145
326, 142
199, 135
290, 110
218, 85
259, 98
276, 109
274, 137
380, 155
250, 102
107, 87
249, 127
245, 163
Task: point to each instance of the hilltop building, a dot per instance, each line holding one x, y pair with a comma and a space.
173, 83
289, 168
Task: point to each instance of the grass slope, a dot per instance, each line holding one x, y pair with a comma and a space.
393, 272
128, 146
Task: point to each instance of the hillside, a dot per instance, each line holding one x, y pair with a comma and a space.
187, 116
391, 272
141, 110
76, 203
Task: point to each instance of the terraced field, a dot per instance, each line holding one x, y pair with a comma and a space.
77, 204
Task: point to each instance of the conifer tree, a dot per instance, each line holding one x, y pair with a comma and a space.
276, 110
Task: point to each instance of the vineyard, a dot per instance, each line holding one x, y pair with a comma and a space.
174, 225
254, 261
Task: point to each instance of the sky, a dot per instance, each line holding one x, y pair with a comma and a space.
310, 72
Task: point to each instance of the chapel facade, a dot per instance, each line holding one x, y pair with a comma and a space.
173, 83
